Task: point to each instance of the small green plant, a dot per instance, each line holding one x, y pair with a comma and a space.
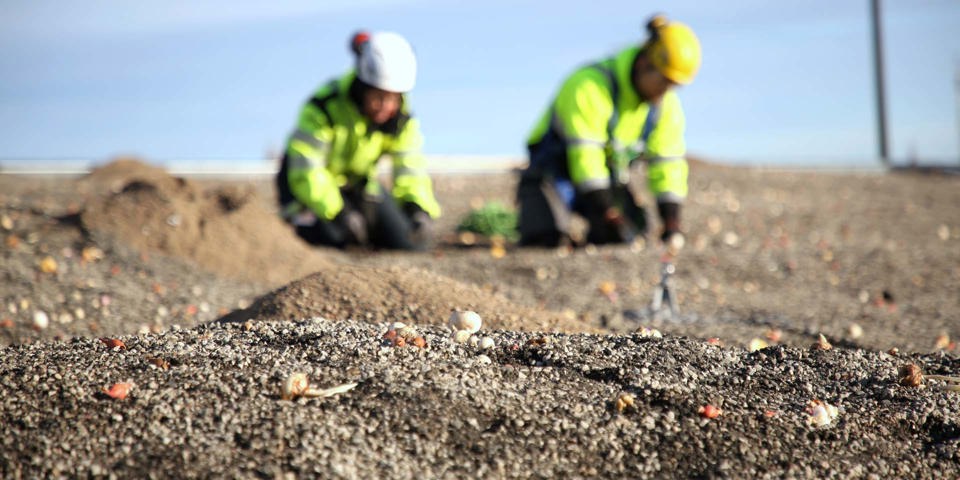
490, 220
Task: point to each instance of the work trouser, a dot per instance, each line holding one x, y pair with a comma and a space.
546, 204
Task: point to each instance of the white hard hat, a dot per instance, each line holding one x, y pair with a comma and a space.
388, 63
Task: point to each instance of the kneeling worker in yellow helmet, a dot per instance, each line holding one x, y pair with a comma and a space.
327, 184
606, 115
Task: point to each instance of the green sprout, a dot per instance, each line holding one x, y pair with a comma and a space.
493, 219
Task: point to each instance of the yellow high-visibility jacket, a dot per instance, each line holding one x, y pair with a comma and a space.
335, 146
597, 124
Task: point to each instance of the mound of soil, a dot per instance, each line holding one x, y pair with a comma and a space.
226, 230
393, 294
868, 260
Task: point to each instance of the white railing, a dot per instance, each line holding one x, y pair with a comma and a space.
437, 164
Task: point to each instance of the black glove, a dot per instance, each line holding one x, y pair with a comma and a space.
631, 208
421, 223
607, 222
671, 236
669, 218
619, 224
596, 203
354, 226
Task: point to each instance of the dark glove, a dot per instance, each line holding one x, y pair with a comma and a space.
353, 225
607, 222
670, 218
614, 217
671, 236
596, 203
421, 223
619, 224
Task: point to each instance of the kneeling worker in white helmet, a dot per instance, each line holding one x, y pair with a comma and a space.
327, 184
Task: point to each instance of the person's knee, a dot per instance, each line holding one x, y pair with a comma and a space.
397, 229
537, 221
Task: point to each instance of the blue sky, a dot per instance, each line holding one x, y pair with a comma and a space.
222, 80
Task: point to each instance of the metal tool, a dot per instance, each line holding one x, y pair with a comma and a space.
663, 292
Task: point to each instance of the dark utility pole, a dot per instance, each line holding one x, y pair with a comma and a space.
878, 70
956, 97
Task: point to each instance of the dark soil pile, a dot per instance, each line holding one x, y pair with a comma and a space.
173, 251
60, 280
225, 230
390, 295
228, 231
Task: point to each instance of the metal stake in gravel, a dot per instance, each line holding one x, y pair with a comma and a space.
663, 292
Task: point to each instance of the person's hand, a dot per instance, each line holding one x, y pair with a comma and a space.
613, 216
421, 224
353, 224
619, 223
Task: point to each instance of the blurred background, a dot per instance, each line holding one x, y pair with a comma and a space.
218, 84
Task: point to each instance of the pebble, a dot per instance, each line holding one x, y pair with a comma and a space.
465, 320
855, 331
461, 336
40, 320
48, 265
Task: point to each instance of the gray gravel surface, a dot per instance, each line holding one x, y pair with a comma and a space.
532, 407
791, 254
125, 291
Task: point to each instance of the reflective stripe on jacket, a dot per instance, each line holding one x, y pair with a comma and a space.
601, 124
334, 146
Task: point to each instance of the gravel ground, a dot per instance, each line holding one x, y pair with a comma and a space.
778, 257
99, 286
532, 406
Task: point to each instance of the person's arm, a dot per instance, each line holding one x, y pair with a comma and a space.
667, 168
307, 149
582, 110
411, 183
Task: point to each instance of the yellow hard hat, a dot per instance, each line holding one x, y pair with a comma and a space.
673, 49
